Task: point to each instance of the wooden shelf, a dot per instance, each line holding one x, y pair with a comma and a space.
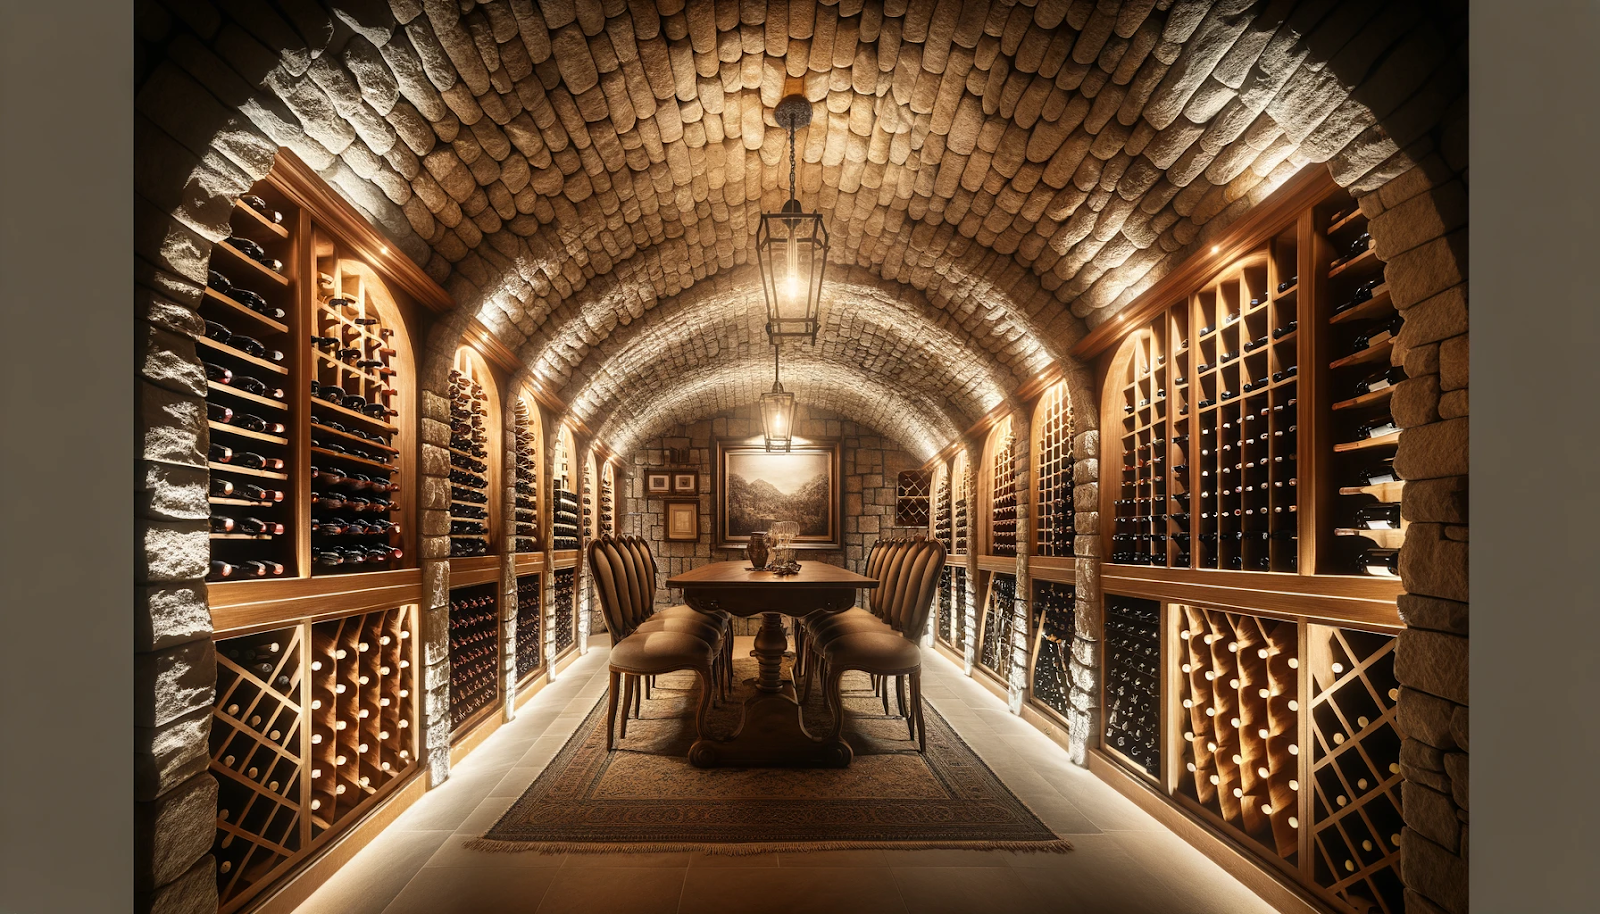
467, 455
319, 429
243, 502
240, 354
1388, 539
1383, 491
1367, 443
1372, 307
385, 467
230, 468
256, 220
1366, 258
251, 265
242, 536
371, 423
363, 374
1352, 216
234, 308
234, 430
246, 396
1381, 396
1373, 353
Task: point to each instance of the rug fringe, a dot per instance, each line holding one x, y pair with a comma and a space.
550, 848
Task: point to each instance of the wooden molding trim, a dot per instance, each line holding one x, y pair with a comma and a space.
1334, 599
237, 607
1277, 212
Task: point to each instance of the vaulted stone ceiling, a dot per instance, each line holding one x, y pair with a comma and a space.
585, 175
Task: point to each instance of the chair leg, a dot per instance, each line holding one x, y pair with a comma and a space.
916, 708
611, 711
883, 692
705, 701
627, 702
648, 682
900, 694
638, 698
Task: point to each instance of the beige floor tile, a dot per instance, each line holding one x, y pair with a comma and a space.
467, 890
376, 875
964, 889
797, 890
1201, 885
516, 782
945, 857
614, 890
1095, 878
454, 852
863, 857
725, 861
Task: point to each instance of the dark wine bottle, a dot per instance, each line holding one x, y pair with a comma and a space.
220, 569
216, 412
258, 493
257, 527
261, 569
254, 423
221, 488
1377, 428
1382, 473
220, 454
217, 373
221, 524
1288, 372
1381, 381
257, 462
1377, 333
1384, 516
1382, 563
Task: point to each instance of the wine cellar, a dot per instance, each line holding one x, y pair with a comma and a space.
1154, 315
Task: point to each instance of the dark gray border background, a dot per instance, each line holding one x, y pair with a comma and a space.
66, 532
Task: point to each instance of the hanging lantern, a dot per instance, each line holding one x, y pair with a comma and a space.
792, 249
777, 412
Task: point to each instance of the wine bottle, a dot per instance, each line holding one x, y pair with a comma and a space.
221, 524
257, 387
1288, 372
221, 569
216, 412
1384, 516
1377, 428
257, 462
262, 569
254, 423
1383, 563
1288, 284
217, 374
1382, 473
1381, 380
1377, 333
221, 488
1279, 333
220, 454
257, 527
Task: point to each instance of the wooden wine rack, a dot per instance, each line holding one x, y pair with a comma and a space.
564, 616
588, 493
960, 480
911, 499
1003, 492
564, 529
607, 500
313, 724
525, 515
244, 418
1132, 674
958, 610
999, 617
1053, 617
530, 625
944, 616
474, 654
355, 525
1355, 768
1241, 726
1054, 529
471, 412
941, 513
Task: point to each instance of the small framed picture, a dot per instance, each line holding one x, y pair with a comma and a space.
686, 483
657, 482
683, 520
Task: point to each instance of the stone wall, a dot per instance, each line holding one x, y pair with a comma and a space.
872, 462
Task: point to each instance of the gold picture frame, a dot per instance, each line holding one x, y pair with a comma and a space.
681, 520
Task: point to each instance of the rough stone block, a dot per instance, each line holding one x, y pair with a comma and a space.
1433, 871
1435, 662
1433, 614
173, 682
171, 492
168, 615
1454, 405
171, 551
1416, 401
1420, 755
166, 756
1427, 718
1438, 318
172, 427
1420, 219
1422, 360
173, 831
1434, 450
168, 360
168, 243
1432, 564
1458, 727
195, 892
1455, 764
1442, 500
1432, 814
1428, 269
1453, 363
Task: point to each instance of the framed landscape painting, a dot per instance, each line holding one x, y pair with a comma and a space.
756, 488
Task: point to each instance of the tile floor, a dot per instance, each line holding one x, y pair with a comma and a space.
1125, 862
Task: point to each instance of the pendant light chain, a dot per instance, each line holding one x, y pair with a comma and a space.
791, 161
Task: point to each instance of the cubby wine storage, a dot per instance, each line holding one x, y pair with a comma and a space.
944, 618
911, 498
1003, 493
354, 457
248, 353
474, 652
525, 514
998, 623
530, 625
941, 514
1054, 529
958, 610
607, 500
587, 498
1132, 682
564, 527
470, 484
961, 482
1053, 613
564, 616
1230, 457
313, 724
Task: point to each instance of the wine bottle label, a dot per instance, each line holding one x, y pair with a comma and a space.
1381, 384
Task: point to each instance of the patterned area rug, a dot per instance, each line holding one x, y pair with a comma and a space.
647, 797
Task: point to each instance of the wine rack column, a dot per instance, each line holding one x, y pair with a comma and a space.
563, 617
999, 619
313, 724
247, 352
1132, 699
469, 469
911, 499
530, 626
608, 510
474, 653
354, 461
1054, 528
1139, 532
1003, 494
1054, 622
941, 512
525, 516
945, 614
1239, 696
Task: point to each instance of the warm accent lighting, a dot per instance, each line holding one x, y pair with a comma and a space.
792, 248
777, 412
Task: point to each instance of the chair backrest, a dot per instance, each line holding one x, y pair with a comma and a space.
888, 568
920, 589
874, 563
644, 575
901, 578
610, 574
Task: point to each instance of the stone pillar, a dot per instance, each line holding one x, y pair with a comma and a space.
508, 549
1021, 461
1418, 223
433, 544
1083, 714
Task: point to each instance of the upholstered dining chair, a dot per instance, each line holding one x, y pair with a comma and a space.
644, 564
911, 579
884, 562
665, 648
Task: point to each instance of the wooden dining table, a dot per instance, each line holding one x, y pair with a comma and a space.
771, 731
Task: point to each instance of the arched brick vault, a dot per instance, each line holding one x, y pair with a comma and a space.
563, 166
